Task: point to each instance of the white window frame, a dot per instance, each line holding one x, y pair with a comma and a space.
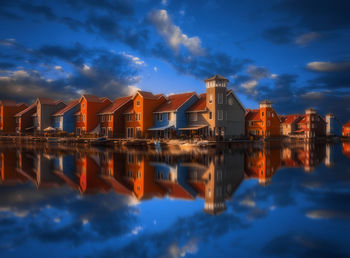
220, 115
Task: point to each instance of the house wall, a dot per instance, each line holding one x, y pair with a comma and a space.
8, 120
26, 120
45, 112
346, 131
268, 114
69, 119
181, 115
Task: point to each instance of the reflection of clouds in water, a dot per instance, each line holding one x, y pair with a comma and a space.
327, 214
54, 215
174, 250
295, 244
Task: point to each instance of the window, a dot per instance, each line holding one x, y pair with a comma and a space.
210, 115
129, 117
220, 115
210, 98
109, 118
138, 103
220, 98
102, 118
83, 130
84, 117
159, 117
78, 131
138, 175
138, 117
268, 123
169, 116
268, 113
230, 101
251, 123
273, 115
109, 131
193, 116
103, 131
262, 123
138, 132
83, 105
262, 113
130, 132
131, 158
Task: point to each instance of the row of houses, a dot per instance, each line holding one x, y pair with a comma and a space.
214, 179
216, 113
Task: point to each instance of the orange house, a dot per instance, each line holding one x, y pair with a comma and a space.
263, 122
140, 175
139, 117
86, 118
111, 117
346, 129
262, 165
8, 109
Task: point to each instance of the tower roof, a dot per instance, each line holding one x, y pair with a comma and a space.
216, 78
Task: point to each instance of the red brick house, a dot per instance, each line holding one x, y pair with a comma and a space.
311, 125
346, 129
8, 109
111, 118
289, 123
263, 122
86, 118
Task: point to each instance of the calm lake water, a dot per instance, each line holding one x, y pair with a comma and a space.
57, 201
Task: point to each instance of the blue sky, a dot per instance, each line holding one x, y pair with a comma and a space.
292, 52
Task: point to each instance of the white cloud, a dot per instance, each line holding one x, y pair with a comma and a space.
136, 230
155, 69
313, 95
248, 202
131, 90
86, 67
136, 60
306, 38
189, 248
173, 34
250, 85
274, 76
58, 68
182, 12
164, 2
320, 66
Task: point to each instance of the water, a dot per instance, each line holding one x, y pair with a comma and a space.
253, 202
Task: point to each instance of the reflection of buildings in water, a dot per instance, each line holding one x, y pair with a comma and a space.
8, 162
113, 167
329, 158
65, 168
346, 149
218, 181
26, 162
88, 171
44, 167
174, 180
140, 175
263, 164
310, 156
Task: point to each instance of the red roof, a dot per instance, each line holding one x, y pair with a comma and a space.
347, 124
175, 190
199, 105
149, 95
71, 105
26, 110
129, 110
288, 119
48, 101
253, 115
216, 77
93, 98
116, 104
175, 101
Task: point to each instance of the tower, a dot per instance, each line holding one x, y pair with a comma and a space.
265, 115
330, 124
216, 89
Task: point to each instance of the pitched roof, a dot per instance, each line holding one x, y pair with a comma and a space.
175, 190
148, 95
129, 110
288, 119
71, 105
116, 104
199, 105
347, 124
175, 101
252, 115
216, 77
47, 101
31, 107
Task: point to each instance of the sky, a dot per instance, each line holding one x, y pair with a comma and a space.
293, 52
